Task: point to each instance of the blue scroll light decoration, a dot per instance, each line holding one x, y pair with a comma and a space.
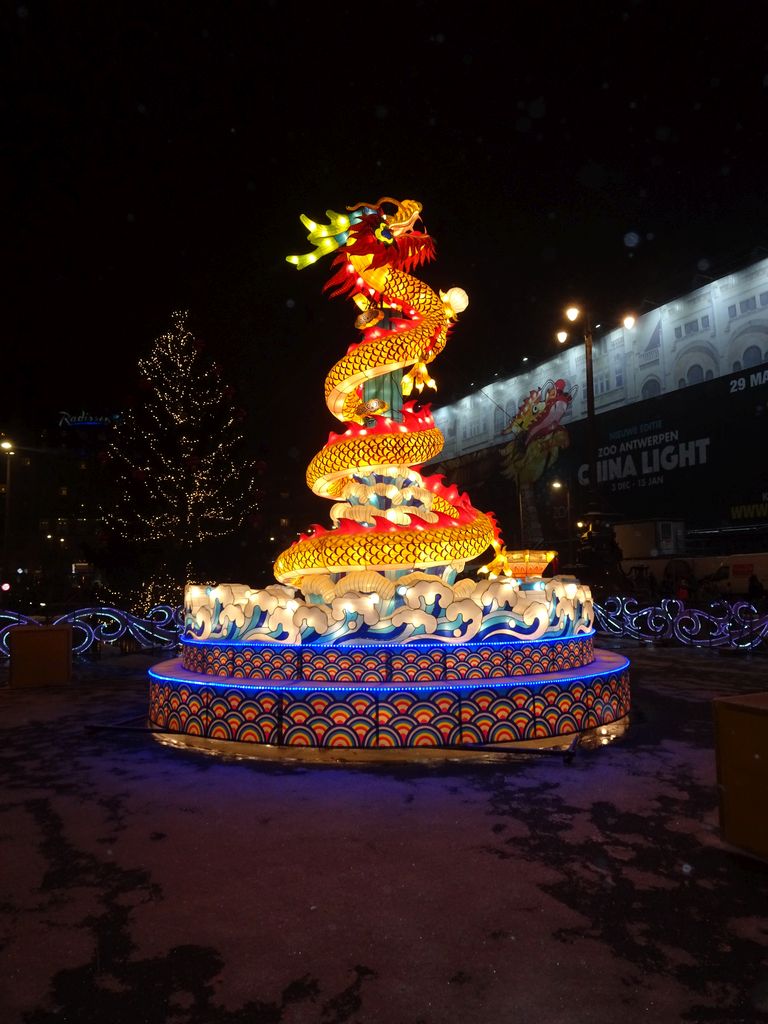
160, 629
735, 625
727, 624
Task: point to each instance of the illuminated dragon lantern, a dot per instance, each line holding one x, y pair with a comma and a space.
387, 571
390, 522
369, 639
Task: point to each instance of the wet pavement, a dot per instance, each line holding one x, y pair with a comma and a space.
141, 883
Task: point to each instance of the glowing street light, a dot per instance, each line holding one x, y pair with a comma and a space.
574, 313
7, 448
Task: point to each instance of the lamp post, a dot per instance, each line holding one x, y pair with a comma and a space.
7, 448
558, 485
574, 313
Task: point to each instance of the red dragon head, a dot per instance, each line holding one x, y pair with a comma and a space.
367, 229
541, 411
390, 238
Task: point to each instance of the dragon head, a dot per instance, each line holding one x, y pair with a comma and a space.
389, 238
541, 411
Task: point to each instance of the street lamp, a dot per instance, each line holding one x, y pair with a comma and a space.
574, 313
7, 448
558, 485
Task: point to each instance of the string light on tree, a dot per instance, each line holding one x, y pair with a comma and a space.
182, 478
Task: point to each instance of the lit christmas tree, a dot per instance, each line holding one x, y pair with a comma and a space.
181, 479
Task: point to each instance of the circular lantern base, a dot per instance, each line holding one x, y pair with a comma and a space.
406, 719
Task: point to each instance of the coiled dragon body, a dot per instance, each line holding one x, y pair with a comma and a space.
387, 517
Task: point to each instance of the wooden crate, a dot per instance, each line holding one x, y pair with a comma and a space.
741, 748
40, 655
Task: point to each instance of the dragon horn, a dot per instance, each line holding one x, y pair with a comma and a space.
359, 206
377, 206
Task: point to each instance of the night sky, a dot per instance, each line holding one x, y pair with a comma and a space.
158, 158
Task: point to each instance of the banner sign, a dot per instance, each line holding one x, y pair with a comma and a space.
697, 454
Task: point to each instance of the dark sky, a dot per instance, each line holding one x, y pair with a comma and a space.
158, 157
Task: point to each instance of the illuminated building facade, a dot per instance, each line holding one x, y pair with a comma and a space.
681, 417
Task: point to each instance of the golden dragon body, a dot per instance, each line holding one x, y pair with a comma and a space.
387, 517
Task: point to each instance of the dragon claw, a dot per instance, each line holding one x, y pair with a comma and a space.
419, 377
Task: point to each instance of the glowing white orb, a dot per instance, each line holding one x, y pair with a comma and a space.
457, 299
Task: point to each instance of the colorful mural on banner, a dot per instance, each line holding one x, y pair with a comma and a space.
695, 454
537, 436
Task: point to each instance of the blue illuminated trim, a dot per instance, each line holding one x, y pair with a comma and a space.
384, 645
507, 683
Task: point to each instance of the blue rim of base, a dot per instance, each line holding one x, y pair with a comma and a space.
171, 671
368, 646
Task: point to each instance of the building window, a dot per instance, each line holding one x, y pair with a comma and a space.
695, 374
752, 357
709, 375
472, 428
704, 322
678, 332
284, 521
681, 382
602, 383
736, 366
748, 305
691, 327
731, 312
63, 491
499, 421
651, 388
764, 298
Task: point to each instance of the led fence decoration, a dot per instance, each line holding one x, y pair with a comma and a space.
730, 625
102, 624
371, 636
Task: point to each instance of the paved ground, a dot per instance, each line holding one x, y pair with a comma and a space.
145, 884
